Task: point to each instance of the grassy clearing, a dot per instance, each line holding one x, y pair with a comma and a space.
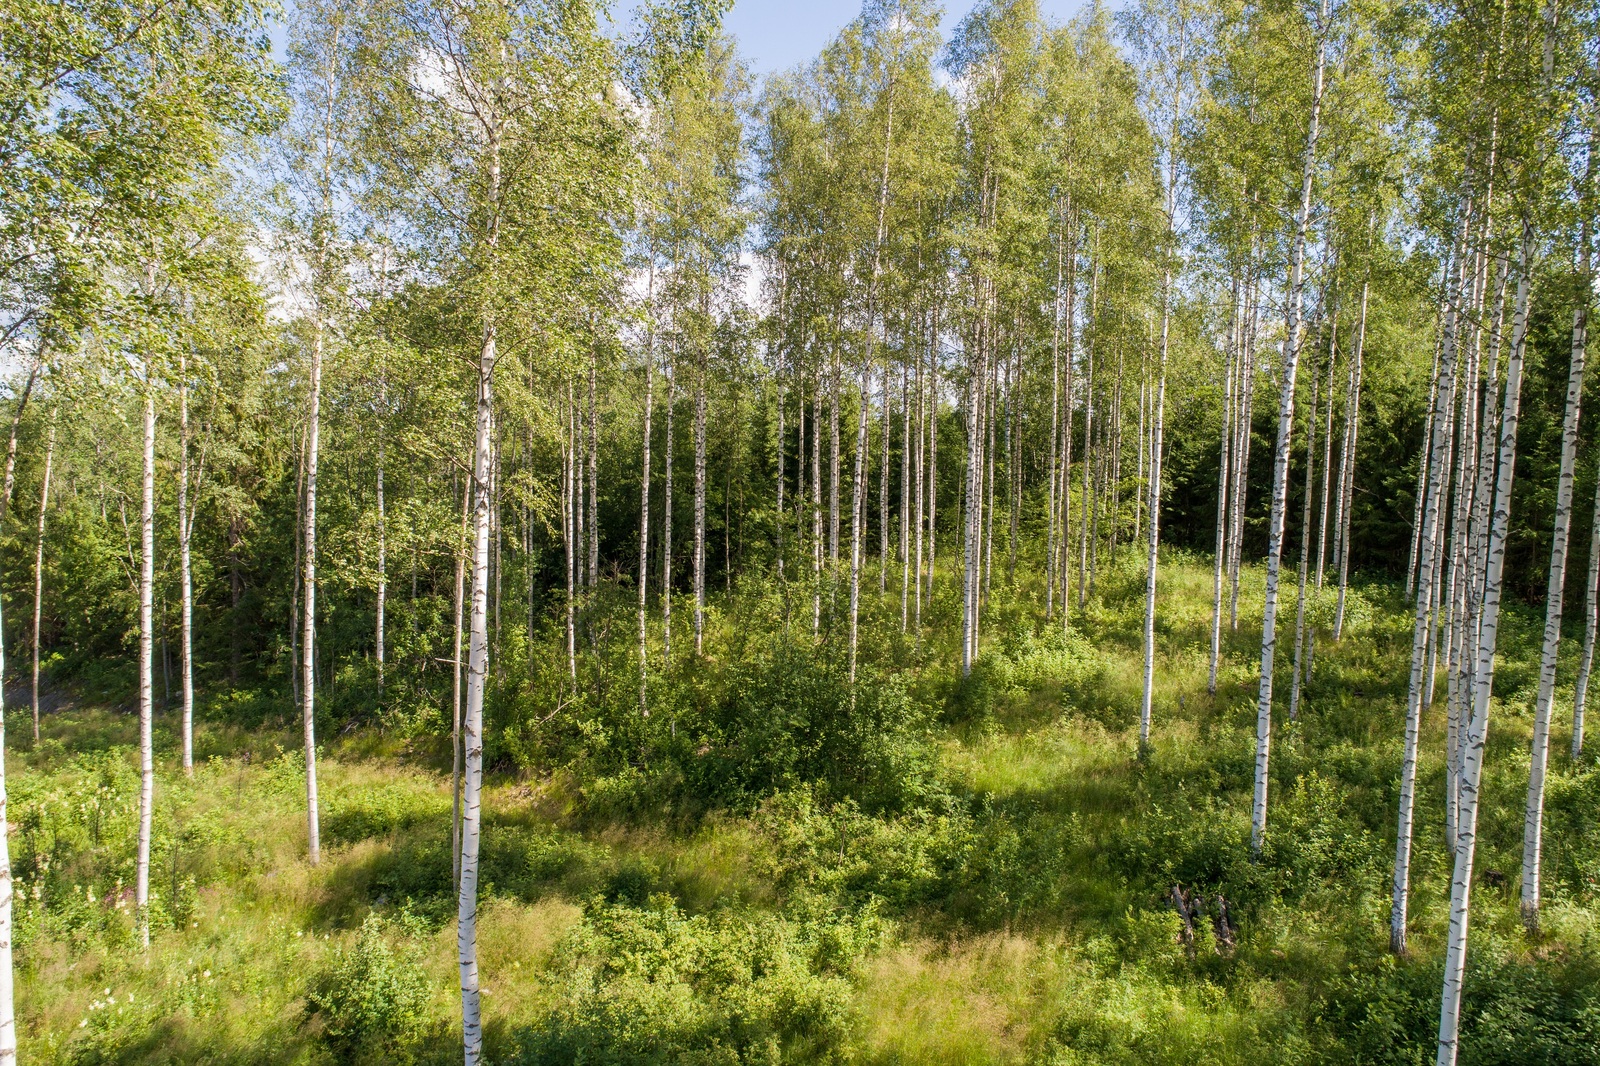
1016, 913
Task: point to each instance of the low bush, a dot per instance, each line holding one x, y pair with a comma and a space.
644, 985
371, 996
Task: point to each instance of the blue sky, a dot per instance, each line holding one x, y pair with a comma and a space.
778, 34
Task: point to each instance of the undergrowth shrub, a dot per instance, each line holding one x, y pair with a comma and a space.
640, 985
1516, 1010
372, 995
792, 719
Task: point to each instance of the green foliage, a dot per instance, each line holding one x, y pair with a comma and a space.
793, 718
651, 984
1516, 1009
370, 996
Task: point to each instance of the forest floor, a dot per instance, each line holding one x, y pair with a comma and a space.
1024, 917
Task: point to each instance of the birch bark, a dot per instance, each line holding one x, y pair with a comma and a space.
1438, 465
185, 569
1280, 465
1483, 679
1533, 818
38, 568
147, 773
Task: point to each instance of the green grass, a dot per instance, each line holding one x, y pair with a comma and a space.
1015, 914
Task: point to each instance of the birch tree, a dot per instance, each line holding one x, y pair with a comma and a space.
1294, 331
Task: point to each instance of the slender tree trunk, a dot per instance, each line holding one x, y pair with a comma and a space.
1305, 544
1533, 819
1480, 523
185, 568
1056, 481
644, 485
1066, 424
666, 513
833, 463
816, 507
1421, 647
457, 663
969, 546
1241, 451
933, 451
1327, 448
921, 486
1013, 468
1280, 465
477, 675
1591, 622
986, 476
1483, 680
700, 504
1224, 483
1427, 432
1090, 457
1347, 478
883, 482
858, 521
38, 568
147, 554
8, 1014
383, 552
8, 1011
309, 620
572, 526
299, 573
478, 648
592, 471
905, 495
1159, 412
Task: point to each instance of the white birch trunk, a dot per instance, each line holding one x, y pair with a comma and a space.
1280, 464
644, 484
1591, 622
457, 663
147, 554
1348, 476
1056, 477
185, 568
858, 521
1241, 451
1224, 482
477, 675
1160, 407
816, 507
308, 658
1483, 683
1327, 451
1437, 463
920, 490
8, 1012
383, 568
1533, 818
1427, 429
905, 496
666, 512
1305, 547
700, 505
38, 567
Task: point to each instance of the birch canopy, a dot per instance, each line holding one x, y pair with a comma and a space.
1027, 535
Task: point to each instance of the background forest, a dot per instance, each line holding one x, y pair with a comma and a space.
520, 539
